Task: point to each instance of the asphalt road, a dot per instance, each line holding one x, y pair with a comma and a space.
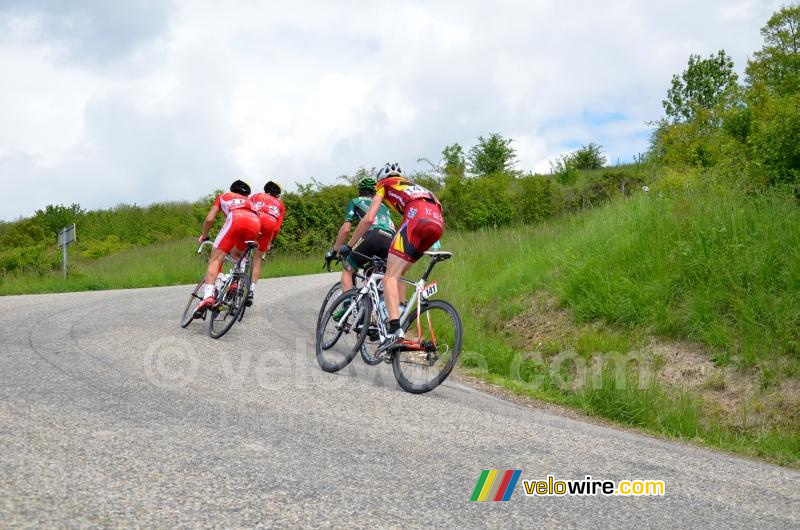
112, 415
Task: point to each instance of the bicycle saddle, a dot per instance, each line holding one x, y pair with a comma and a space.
251, 244
440, 255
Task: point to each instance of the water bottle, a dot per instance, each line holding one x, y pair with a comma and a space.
219, 282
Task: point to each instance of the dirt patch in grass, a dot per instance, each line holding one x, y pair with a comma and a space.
750, 398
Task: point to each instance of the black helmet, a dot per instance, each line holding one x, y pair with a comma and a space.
272, 188
241, 187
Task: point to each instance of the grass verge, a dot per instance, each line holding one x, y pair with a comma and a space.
676, 311
169, 263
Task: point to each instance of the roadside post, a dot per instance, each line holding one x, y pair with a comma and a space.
65, 236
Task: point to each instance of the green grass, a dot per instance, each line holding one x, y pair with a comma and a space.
711, 265
170, 263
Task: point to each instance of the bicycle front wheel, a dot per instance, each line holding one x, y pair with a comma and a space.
191, 306
333, 293
437, 335
229, 306
342, 331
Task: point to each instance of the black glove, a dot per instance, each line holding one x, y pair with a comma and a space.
344, 250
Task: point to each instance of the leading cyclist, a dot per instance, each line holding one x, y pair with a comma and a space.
270, 210
241, 224
423, 225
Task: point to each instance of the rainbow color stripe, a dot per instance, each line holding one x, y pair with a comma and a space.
494, 485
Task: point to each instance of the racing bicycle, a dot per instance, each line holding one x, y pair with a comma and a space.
230, 298
357, 321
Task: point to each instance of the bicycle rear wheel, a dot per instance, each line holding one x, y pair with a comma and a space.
342, 331
439, 341
229, 305
191, 306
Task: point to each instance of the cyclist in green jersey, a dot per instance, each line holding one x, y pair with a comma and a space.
375, 242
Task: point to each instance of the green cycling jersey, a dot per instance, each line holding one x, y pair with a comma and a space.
357, 209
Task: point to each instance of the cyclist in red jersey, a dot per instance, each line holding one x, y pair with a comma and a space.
270, 210
241, 224
422, 226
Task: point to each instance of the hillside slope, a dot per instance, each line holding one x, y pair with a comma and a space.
697, 287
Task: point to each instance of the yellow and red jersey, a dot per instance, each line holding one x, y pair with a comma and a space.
397, 192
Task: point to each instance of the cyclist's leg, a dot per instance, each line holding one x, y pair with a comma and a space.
396, 266
267, 234
347, 278
223, 244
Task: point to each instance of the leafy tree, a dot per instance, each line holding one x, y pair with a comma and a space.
705, 84
777, 64
55, 217
589, 157
492, 155
454, 162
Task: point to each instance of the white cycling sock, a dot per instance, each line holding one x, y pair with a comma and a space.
208, 291
253, 287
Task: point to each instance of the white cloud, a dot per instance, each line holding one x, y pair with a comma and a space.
162, 101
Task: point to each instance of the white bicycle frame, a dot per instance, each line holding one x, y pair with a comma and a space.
370, 288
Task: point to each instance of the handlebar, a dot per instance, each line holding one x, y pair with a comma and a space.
203, 245
328, 260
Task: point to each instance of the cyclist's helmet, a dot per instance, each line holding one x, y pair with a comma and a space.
390, 170
367, 184
272, 188
241, 187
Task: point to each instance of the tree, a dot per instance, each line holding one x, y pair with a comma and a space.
777, 64
453, 156
492, 155
589, 157
703, 86
55, 217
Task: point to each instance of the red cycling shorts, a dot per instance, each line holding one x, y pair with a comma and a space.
269, 229
422, 226
240, 226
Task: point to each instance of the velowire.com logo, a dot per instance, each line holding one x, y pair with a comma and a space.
494, 485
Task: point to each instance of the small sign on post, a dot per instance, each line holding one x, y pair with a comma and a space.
66, 236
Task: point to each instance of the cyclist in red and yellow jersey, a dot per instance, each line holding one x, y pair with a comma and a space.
422, 226
241, 224
270, 210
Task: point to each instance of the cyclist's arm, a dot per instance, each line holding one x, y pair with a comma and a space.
343, 231
367, 220
209, 221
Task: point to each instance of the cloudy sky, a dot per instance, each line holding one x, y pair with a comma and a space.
138, 101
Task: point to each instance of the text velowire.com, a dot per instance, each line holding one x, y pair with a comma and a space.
589, 486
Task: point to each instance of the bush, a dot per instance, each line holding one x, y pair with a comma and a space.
473, 203
539, 198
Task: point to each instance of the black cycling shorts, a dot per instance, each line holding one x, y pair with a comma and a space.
373, 243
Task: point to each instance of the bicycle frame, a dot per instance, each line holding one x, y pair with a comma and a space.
370, 288
243, 265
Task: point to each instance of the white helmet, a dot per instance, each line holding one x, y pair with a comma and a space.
390, 170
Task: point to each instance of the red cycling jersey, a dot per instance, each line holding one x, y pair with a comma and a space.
397, 192
270, 212
241, 222
229, 201
264, 203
